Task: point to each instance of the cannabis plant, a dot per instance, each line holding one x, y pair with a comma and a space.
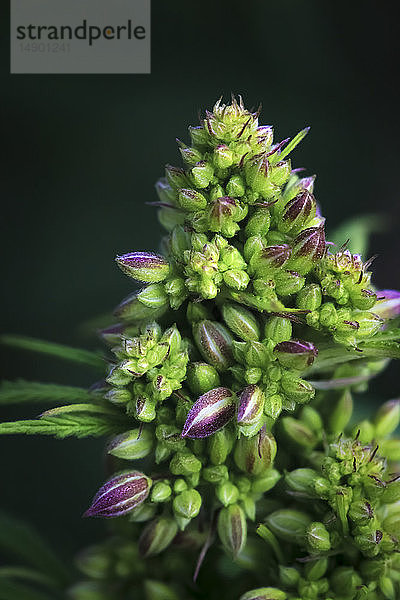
226, 394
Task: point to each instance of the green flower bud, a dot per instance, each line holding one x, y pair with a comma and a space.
132, 444
227, 493
157, 536
278, 329
253, 245
390, 449
145, 409
202, 377
202, 174
184, 463
191, 200
263, 263
153, 296
317, 538
250, 407
223, 156
368, 324
345, 581
387, 418
258, 223
273, 406
265, 593
295, 354
232, 529
197, 311
175, 177
316, 569
288, 282
387, 588
95, 562
187, 504
289, 525
216, 474
288, 576
310, 297
311, 417
131, 309
142, 513
118, 396
298, 211
219, 445
341, 413
302, 481
88, 590
241, 321
214, 343
156, 590
298, 433
365, 431
391, 493
361, 298
360, 512
296, 389
161, 492
255, 455
265, 482
144, 266
236, 279
236, 187
308, 249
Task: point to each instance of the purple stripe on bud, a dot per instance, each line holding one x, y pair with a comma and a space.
144, 266
210, 413
215, 343
295, 354
298, 211
251, 405
119, 495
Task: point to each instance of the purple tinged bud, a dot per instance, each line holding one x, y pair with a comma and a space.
251, 405
295, 354
144, 266
270, 258
388, 305
119, 495
308, 248
112, 334
210, 413
255, 455
157, 536
214, 343
298, 212
232, 529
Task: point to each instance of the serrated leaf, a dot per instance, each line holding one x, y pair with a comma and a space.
77, 355
77, 408
22, 541
358, 231
67, 425
18, 392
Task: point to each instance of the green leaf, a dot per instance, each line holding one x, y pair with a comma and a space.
21, 540
18, 392
76, 408
11, 572
358, 231
278, 156
77, 355
66, 425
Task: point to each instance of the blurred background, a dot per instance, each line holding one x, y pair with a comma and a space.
82, 154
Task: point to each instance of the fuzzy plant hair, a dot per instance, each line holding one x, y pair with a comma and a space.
236, 461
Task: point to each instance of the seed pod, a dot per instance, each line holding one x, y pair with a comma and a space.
132, 444
144, 266
236, 187
145, 409
265, 482
201, 377
223, 156
255, 455
296, 389
295, 354
202, 173
288, 576
251, 405
187, 504
157, 536
302, 481
298, 433
132, 310
184, 463
317, 538
297, 213
258, 223
288, 282
308, 248
265, 593
241, 321
341, 413
288, 525
153, 296
232, 529
119, 495
316, 569
214, 343
191, 200
161, 492
118, 396
211, 412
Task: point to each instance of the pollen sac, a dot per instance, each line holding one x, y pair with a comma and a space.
295, 354
308, 248
214, 343
119, 495
144, 266
210, 413
298, 211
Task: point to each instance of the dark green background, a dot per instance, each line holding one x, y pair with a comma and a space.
82, 154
